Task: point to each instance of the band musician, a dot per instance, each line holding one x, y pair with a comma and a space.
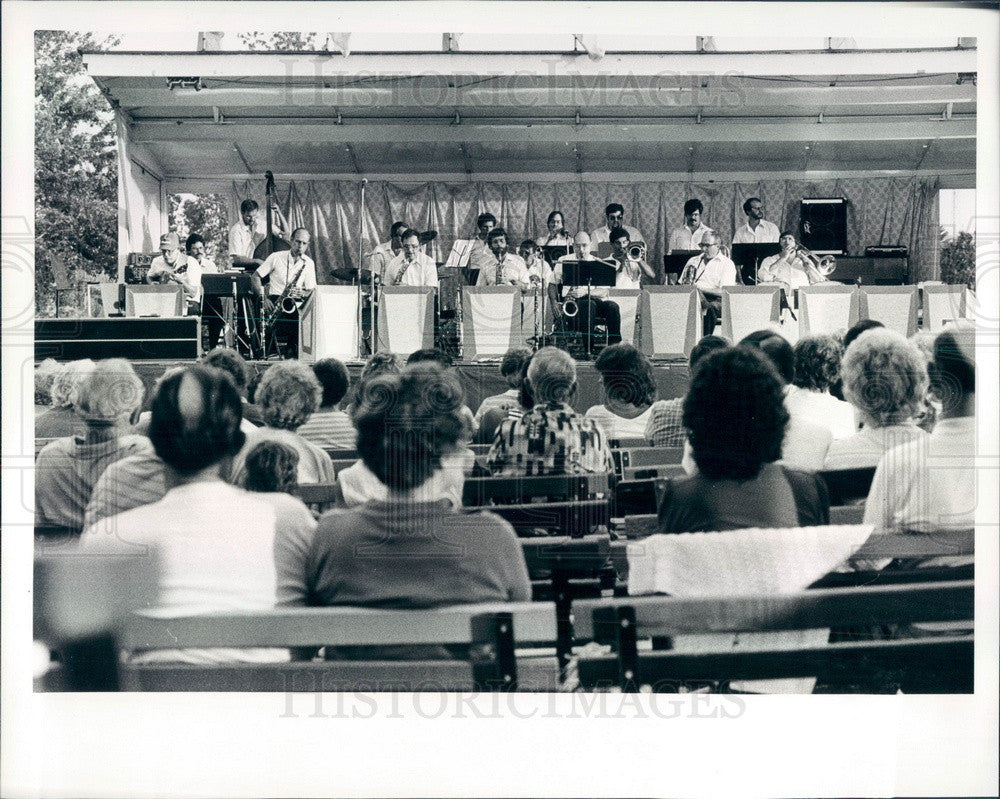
556, 234
250, 231
690, 235
757, 230
212, 313
411, 267
172, 266
709, 272
480, 255
292, 277
789, 268
614, 214
507, 268
388, 250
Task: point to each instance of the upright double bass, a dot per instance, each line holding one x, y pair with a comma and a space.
272, 242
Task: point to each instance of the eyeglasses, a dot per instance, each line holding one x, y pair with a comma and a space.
616, 216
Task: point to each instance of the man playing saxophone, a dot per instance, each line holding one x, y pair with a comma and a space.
293, 277
507, 269
709, 272
411, 267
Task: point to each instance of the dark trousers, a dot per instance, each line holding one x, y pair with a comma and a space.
212, 318
593, 311
712, 309
285, 331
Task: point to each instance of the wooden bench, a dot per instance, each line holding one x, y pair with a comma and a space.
628, 443
342, 454
638, 497
638, 457
514, 489
490, 632
575, 519
939, 663
846, 486
320, 497
480, 450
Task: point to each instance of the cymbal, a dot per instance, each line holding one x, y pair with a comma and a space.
427, 236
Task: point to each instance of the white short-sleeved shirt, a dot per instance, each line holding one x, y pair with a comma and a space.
775, 270
282, 267
243, 239
765, 232
422, 272
715, 274
684, 239
603, 234
514, 270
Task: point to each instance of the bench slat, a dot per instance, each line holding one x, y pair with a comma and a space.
918, 545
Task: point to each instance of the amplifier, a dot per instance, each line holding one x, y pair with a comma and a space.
164, 338
871, 271
887, 252
137, 266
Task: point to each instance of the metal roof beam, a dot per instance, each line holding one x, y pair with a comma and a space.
319, 64
319, 131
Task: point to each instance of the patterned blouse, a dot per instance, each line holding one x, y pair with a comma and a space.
549, 439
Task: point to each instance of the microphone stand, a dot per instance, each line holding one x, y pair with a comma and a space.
361, 257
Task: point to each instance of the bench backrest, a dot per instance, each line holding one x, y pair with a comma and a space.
575, 518
848, 485
480, 491
636, 457
637, 497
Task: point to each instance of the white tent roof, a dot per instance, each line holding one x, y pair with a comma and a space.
453, 113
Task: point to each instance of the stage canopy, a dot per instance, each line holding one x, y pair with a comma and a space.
506, 130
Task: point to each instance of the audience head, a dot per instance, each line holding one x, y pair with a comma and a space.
271, 467
953, 370
627, 375
885, 378
706, 346
45, 373
333, 379
512, 366
552, 375
66, 382
230, 362
288, 395
380, 363
777, 349
433, 354
407, 422
195, 421
109, 394
817, 362
735, 414
861, 327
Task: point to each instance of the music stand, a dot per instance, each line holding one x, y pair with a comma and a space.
674, 262
238, 286
553, 252
588, 273
747, 258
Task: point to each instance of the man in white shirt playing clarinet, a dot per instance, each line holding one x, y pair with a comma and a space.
292, 270
757, 230
411, 267
709, 273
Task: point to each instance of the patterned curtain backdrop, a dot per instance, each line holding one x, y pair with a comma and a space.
880, 211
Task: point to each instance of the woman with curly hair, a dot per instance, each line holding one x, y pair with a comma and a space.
271, 468
885, 379
736, 419
413, 548
817, 368
287, 396
629, 392
63, 382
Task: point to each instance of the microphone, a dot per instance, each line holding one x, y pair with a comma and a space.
364, 181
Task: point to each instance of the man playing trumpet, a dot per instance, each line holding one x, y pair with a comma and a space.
791, 268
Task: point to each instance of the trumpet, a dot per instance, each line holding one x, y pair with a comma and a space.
825, 266
636, 252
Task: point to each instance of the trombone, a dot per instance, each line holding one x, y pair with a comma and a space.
824, 266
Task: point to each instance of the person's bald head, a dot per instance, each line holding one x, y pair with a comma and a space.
196, 419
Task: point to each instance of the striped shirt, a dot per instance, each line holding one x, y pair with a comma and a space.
664, 428
126, 484
330, 430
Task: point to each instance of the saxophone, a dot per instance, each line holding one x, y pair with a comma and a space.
285, 302
407, 263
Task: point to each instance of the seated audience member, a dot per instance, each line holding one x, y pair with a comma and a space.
629, 391
443, 359
930, 406
493, 417
885, 379
837, 387
60, 420
551, 438
736, 421
817, 367
663, 427
127, 483
330, 427
45, 373
220, 548
381, 363
412, 549
233, 364
805, 444
510, 371
287, 396
271, 468
67, 469
929, 483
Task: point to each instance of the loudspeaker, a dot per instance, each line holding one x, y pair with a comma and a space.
166, 338
823, 225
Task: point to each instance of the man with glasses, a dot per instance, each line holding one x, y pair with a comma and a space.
615, 215
757, 230
709, 272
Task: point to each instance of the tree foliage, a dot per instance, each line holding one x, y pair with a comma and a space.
279, 40
207, 215
76, 171
958, 259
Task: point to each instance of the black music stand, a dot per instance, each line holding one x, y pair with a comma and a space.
553, 252
674, 262
747, 258
238, 286
588, 273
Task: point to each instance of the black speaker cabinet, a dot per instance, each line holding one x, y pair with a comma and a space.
166, 338
823, 224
